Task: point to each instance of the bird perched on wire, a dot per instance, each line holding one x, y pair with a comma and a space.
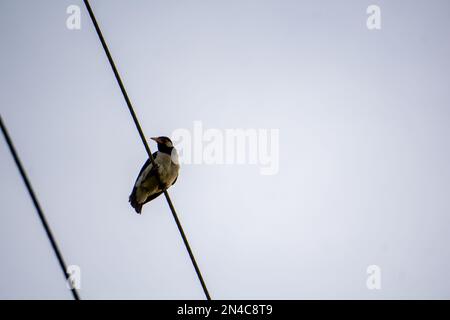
152, 181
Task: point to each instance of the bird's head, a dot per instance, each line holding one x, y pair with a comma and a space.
164, 144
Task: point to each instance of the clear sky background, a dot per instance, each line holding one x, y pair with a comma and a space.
364, 148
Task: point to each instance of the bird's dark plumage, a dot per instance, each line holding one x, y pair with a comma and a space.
147, 186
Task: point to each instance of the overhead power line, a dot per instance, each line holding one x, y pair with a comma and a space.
144, 141
40, 213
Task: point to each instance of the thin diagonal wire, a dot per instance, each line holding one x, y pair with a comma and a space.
45, 224
144, 141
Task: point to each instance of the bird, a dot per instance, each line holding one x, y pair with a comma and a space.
152, 181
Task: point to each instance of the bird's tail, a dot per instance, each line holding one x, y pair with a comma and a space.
132, 199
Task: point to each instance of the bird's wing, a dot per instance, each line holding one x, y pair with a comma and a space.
153, 196
146, 164
132, 198
156, 195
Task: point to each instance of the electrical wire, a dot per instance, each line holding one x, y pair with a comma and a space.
147, 148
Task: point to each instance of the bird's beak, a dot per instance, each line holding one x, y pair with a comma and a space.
155, 139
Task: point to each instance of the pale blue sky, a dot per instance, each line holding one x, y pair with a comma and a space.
364, 148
